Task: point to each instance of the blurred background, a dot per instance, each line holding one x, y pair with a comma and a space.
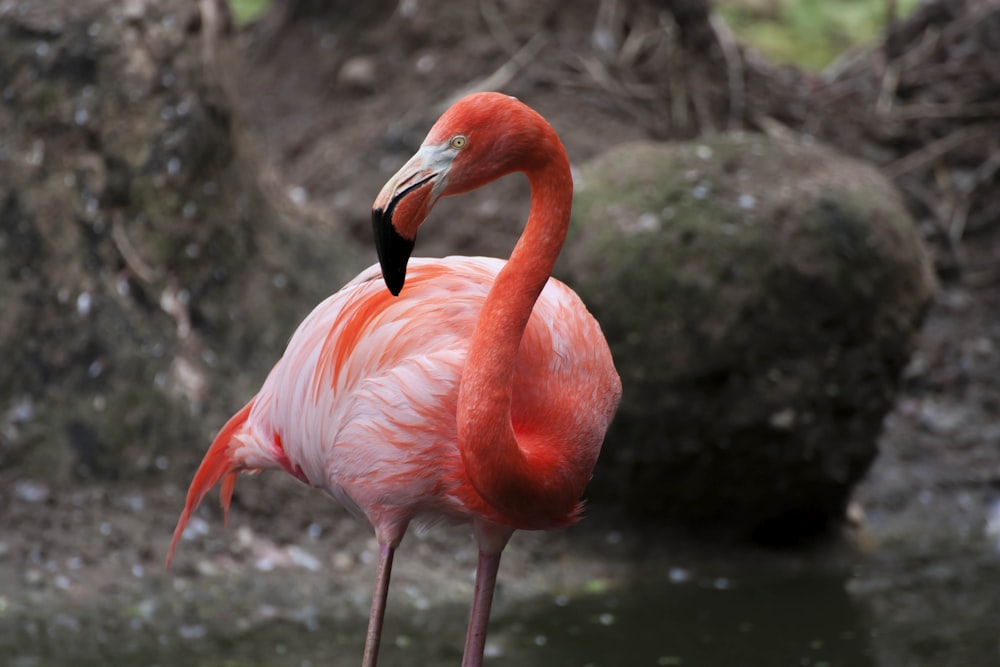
787, 221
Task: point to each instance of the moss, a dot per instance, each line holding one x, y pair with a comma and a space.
247, 11
45, 100
734, 278
128, 206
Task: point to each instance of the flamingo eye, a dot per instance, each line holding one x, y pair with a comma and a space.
458, 142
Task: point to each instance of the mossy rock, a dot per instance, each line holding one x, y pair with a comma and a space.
148, 284
761, 298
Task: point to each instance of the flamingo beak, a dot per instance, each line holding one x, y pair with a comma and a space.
400, 208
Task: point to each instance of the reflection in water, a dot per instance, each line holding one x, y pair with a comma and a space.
805, 620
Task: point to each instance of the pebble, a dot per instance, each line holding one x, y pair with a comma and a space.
722, 584
206, 568
342, 561
993, 523
32, 492
783, 420
134, 502
244, 538
298, 194
956, 300
940, 418
358, 72
679, 575
425, 64
195, 527
303, 558
83, 303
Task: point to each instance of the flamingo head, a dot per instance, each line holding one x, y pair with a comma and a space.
480, 138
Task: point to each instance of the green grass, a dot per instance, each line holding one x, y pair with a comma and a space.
807, 33
245, 11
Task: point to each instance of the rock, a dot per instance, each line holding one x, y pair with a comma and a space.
358, 72
761, 299
139, 257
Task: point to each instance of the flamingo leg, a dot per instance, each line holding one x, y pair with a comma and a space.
482, 601
379, 597
491, 539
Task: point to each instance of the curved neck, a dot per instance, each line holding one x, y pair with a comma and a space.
518, 484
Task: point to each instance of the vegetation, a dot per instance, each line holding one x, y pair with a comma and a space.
809, 33
247, 10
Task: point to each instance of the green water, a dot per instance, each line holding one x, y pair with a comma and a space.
802, 620
673, 617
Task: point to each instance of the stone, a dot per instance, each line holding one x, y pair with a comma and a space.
761, 298
138, 252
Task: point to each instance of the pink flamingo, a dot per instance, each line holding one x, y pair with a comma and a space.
481, 395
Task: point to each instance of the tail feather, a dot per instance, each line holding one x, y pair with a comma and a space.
217, 465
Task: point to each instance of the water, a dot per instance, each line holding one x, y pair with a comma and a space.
921, 614
802, 620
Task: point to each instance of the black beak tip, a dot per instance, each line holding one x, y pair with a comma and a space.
394, 283
393, 250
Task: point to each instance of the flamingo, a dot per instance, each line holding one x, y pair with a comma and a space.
480, 394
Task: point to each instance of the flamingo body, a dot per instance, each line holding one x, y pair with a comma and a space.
480, 394
375, 380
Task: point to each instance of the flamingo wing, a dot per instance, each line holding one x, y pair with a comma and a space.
362, 404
